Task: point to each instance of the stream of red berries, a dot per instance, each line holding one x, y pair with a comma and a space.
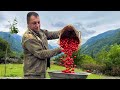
69, 46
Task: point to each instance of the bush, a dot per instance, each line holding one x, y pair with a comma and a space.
95, 68
111, 59
85, 59
114, 71
78, 57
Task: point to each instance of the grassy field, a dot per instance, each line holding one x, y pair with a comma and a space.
12, 70
16, 70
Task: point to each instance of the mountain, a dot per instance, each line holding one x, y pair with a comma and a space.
103, 40
54, 46
13, 39
49, 46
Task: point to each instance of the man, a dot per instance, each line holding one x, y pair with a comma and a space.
35, 47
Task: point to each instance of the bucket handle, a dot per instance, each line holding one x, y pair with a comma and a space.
79, 34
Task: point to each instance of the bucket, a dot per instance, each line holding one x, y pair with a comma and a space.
70, 32
61, 75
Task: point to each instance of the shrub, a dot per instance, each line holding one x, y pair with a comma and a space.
95, 68
114, 71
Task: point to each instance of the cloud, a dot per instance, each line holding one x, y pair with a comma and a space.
90, 23
84, 39
79, 26
94, 24
85, 32
6, 26
98, 18
58, 24
53, 43
2, 18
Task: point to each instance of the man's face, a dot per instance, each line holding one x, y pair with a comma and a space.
34, 23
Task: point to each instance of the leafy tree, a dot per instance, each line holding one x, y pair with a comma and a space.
102, 57
82, 59
111, 59
86, 59
114, 55
78, 57
3, 45
13, 30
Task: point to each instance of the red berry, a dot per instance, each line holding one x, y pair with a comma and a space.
72, 69
69, 46
87, 70
74, 56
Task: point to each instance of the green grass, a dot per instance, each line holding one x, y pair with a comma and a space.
12, 70
16, 70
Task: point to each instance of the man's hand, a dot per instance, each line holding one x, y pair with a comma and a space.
58, 42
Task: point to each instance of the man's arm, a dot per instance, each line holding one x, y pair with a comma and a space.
36, 49
52, 34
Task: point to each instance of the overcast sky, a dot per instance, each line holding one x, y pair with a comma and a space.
90, 23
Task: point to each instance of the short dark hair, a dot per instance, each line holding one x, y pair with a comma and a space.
31, 14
